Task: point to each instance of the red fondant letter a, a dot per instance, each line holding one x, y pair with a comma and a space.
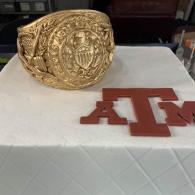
177, 116
103, 109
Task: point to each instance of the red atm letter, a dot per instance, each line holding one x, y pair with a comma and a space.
177, 116
103, 109
146, 124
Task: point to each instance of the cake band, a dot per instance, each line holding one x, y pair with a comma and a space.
69, 49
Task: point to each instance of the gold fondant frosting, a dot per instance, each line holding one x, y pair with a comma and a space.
69, 49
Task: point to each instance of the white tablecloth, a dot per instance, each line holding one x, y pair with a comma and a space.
45, 151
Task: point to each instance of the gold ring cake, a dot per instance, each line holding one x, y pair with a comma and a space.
69, 49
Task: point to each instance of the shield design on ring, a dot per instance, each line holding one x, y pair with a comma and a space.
84, 56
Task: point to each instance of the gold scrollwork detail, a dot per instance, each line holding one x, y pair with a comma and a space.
68, 49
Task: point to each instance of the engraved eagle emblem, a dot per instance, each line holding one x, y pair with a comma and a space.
84, 52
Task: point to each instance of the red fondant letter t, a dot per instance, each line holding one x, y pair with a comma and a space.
146, 124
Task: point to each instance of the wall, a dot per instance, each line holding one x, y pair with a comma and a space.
71, 4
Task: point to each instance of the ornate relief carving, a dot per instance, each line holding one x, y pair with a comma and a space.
67, 49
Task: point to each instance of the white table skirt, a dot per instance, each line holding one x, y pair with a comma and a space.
45, 151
